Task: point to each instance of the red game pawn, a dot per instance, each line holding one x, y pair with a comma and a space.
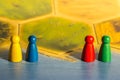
88, 54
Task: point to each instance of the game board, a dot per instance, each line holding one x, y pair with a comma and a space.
60, 27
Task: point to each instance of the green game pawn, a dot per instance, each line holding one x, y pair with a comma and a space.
105, 50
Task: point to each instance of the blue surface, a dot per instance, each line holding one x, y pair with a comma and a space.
52, 69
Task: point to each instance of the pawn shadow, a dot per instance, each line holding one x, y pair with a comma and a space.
75, 54
78, 53
4, 53
24, 54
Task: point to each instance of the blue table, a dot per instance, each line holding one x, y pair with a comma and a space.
54, 69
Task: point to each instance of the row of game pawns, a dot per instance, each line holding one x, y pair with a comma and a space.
15, 52
88, 53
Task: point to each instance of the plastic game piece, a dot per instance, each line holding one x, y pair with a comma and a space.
105, 50
88, 53
32, 52
15, 52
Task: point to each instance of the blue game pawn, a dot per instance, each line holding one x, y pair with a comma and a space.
32, 52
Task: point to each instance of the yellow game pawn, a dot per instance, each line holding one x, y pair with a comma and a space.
15, 52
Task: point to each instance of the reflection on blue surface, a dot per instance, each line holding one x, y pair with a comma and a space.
53, 69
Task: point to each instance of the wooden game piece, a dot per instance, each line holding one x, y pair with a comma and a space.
32, 52
105, 50
15, 52
88, 53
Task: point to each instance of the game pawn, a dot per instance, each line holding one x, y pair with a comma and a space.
32, 52
105, 50
88, 53
15, 52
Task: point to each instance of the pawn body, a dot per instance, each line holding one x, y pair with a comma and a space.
32, 53
105, 50
88, 54
15, 52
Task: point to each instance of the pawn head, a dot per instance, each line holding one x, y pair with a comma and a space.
15, 39
106, 39
89, 39
32, 39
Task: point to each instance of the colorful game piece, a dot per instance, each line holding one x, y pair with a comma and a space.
88, 54
15, 52
32, 53
105, 50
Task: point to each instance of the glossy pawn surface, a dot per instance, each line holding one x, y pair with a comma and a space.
88, 53
32, 52
15, 52
105, 50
